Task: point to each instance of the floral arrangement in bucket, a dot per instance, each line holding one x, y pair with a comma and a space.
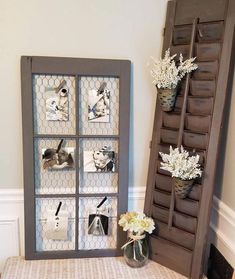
136, 249
167, 73
183, 168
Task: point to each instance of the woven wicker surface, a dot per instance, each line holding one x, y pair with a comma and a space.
93, 268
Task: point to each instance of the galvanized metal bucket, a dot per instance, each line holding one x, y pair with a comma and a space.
182, 187
167, 98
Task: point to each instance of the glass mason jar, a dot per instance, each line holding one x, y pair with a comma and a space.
136, 250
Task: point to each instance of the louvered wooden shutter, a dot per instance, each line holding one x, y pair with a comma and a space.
204, 29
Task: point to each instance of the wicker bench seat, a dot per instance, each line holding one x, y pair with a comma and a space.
92, 268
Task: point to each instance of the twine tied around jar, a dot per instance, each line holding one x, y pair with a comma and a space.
136, 238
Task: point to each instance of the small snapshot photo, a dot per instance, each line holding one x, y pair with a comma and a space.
58, 159
98, 218
98, 224
99, 161
57, 105
98, 105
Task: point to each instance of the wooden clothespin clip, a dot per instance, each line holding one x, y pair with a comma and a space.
102, 202
59, 146
102, 87
62, 84
58, 209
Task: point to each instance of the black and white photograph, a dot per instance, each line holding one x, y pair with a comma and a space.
98, 224
57, 105
98, 220
98, 105
102, 160
59, 158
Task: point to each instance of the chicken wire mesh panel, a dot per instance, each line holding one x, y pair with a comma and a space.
50, 178
54, 104
44, 240
99, 109
92, 180
89, 241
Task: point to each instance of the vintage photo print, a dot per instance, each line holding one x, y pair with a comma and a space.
98, 224
59, 158
99, 161
98, 219
57, 105
98, 105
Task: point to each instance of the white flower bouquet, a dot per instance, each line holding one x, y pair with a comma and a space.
136, 223
136, 249
167, 74
180, 164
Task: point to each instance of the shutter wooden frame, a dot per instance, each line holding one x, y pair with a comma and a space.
170, 245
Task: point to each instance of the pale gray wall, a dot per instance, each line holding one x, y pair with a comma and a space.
96, 28
225, 180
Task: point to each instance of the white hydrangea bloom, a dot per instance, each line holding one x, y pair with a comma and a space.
166, 74
180, 164
136, 223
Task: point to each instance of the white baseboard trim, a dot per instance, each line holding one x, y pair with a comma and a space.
9, 235
11, 195
223, 225
11, 223
225, 211
137, 193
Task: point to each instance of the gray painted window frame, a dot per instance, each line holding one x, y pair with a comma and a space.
121, 69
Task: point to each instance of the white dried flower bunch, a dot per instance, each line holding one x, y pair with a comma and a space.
166, 74
136, 223
180, 164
